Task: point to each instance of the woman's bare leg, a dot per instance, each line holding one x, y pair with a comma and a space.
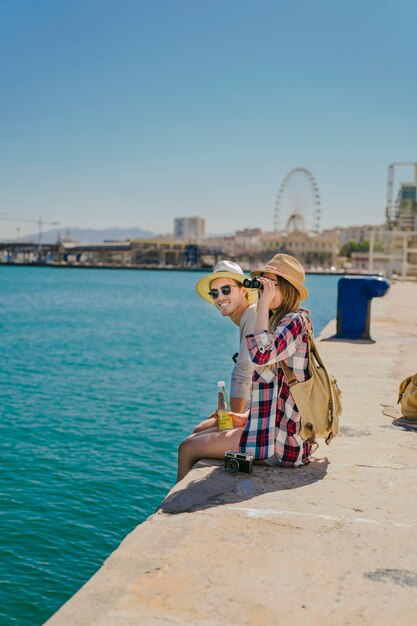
209, 445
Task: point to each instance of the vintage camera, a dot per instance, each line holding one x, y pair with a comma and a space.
252, 283
238, 462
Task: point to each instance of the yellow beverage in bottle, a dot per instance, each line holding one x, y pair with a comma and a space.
224, 420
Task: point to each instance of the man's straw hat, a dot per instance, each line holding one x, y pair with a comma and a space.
224, 269
289, 268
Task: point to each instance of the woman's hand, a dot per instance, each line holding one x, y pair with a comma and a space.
267, 294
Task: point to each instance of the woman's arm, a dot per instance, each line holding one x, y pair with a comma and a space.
267, 347
266, 296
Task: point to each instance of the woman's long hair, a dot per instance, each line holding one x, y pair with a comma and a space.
290, 302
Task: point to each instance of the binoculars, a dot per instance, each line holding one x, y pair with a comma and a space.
252, 283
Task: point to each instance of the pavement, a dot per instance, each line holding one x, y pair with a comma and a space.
332, 543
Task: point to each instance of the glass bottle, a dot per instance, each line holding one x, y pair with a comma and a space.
224, 420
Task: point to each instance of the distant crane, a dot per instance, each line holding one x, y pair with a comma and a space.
39, 222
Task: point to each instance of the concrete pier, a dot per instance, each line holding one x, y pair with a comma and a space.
333, 543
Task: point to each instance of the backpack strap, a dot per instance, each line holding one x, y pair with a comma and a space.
288, 374
312, 346
287, 371
312, 350
291, 380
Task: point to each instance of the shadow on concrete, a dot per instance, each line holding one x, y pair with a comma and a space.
334, 338
348, 431
406, 424
394, 412
219, 487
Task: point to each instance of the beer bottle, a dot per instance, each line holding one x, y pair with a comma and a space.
224, 420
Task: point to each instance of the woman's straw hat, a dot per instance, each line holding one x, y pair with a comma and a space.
224, 269
289, 268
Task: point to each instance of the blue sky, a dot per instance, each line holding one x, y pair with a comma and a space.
130, 113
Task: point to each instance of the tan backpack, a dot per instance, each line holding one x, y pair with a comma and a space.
318, 399
408, 397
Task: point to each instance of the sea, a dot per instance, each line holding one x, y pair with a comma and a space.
103, 372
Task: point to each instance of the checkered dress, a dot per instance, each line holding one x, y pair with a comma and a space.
274, 421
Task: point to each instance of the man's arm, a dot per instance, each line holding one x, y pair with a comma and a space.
238, 405
210, 422
241, 380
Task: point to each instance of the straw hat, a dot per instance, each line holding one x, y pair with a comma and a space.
289, 268
224, 269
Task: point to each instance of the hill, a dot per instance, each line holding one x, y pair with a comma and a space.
91, 235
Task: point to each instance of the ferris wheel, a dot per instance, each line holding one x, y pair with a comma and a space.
297, 207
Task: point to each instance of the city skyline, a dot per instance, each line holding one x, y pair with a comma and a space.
132, 114
91, 235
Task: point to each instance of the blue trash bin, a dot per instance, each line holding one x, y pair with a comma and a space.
354, 305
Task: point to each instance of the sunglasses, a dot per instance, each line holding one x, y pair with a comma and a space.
226, 289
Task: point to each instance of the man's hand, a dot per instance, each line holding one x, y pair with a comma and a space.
210, 422
239, 419
213, 416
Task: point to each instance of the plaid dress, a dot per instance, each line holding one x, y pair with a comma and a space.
274, 423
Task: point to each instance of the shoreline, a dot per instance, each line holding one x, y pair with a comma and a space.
171, 268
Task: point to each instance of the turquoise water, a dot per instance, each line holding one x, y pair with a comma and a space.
102, 374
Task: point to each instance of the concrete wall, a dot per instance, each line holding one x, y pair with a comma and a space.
331, 543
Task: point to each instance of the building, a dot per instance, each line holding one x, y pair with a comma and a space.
313, 250
226, 244
248, 239
358, 234
189, 228
407, 207
401, 213
392, 252
393, 248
